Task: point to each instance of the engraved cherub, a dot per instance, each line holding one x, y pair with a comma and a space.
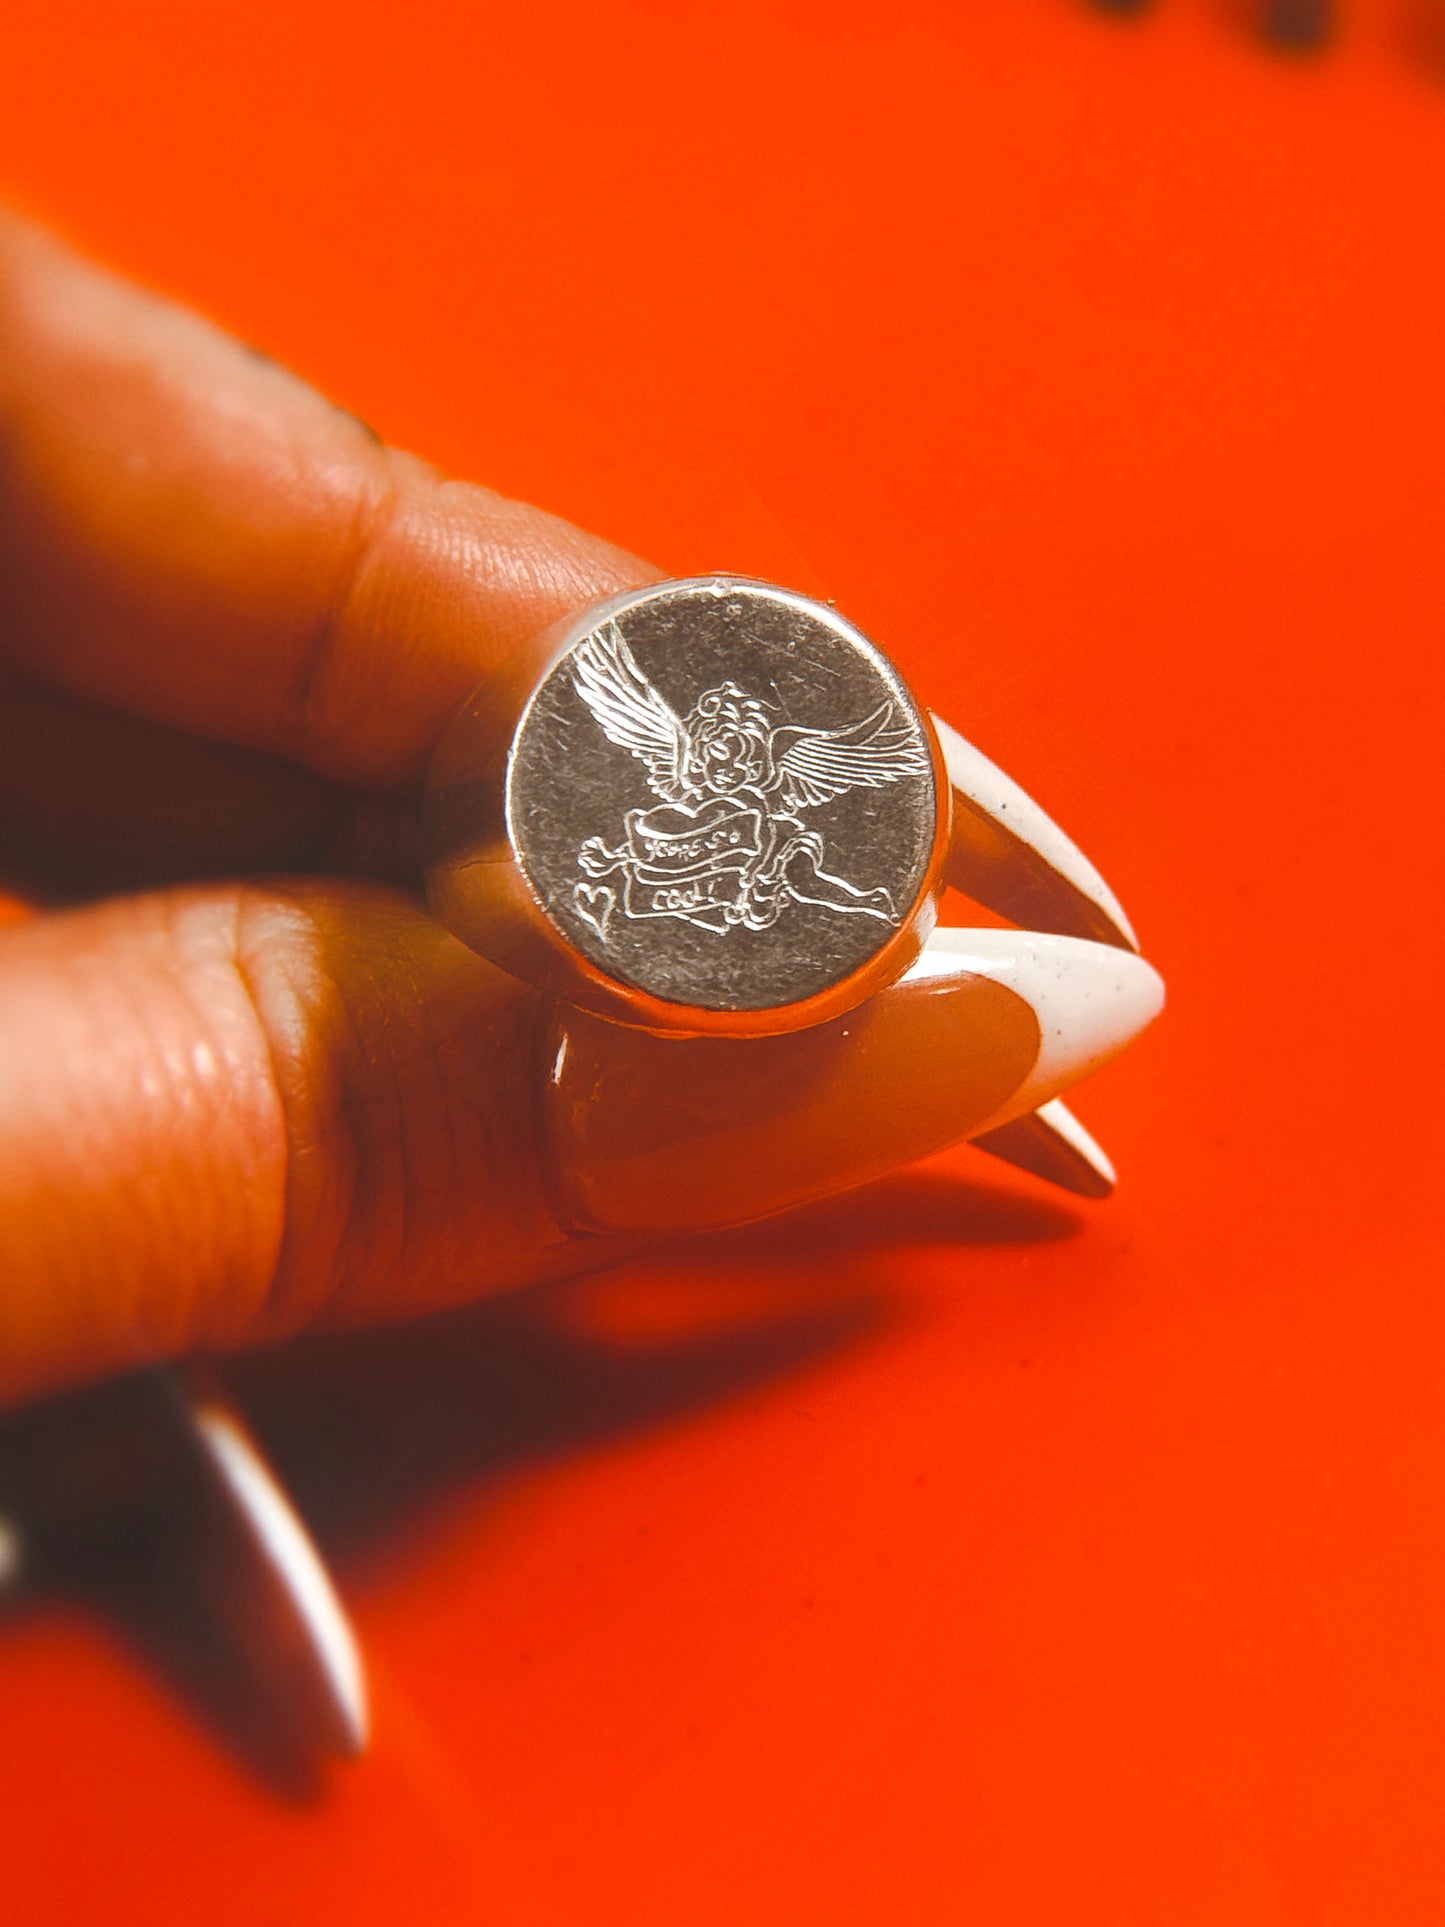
730, 846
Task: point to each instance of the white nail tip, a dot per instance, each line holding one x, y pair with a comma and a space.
297, 1566
1058, 1120
12, 1555
998, 799
1089, 999
1052, 1144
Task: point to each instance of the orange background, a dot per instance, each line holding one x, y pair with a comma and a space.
951, 1552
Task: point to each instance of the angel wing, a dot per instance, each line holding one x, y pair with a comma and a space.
630, 711
814, 765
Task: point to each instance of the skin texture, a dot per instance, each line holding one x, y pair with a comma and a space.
231, 627
248, 1086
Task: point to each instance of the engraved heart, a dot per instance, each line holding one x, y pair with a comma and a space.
594, 903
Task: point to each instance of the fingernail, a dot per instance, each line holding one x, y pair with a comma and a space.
1090, 1001
280, 1603
652, 1133
1009, 854
1050, 1143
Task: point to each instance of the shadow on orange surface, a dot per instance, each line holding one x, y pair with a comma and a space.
376, 1432
372, 1430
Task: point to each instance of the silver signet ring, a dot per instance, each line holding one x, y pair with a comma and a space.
715, 809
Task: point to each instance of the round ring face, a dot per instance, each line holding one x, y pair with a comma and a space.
723, 796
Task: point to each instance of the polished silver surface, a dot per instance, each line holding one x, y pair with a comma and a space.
723, 795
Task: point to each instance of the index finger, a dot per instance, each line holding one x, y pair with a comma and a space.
189, 532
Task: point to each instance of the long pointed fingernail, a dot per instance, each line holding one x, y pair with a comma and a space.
272, 1585
154, 1481
12, 1555
1052, 1144
1089, 1000
652, 1133
1011, 856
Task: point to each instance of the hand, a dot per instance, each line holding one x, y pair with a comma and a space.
232, 626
